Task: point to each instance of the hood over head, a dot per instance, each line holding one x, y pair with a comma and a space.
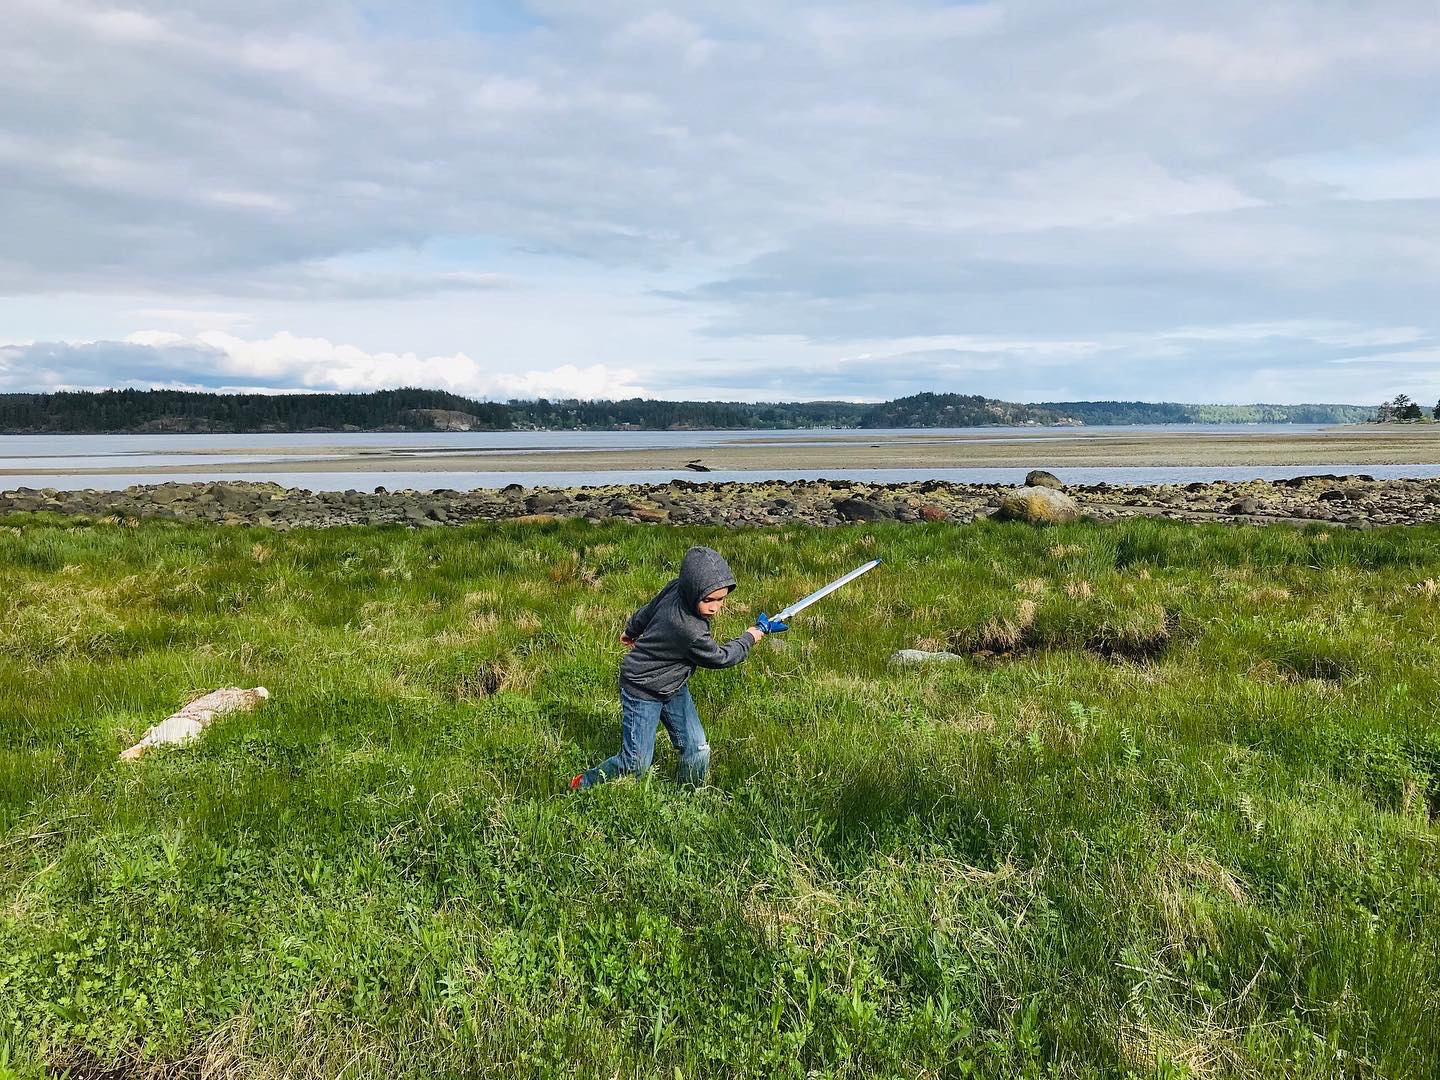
702, 571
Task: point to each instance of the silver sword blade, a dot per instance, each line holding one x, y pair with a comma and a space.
826, 590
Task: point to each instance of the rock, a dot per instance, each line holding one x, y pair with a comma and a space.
1041, 478
732, 504
911, 657
231, 496
859, 510
1039, 505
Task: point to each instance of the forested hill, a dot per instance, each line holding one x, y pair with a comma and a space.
434, 410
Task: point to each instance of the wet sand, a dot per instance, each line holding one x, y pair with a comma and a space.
1046, 448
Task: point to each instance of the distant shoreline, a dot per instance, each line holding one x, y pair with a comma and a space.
858, 430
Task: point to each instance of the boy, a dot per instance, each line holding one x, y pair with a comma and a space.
666, 640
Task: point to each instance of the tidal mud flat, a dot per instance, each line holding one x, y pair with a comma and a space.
1353, 500
758, 452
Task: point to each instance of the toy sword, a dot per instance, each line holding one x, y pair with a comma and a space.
818, 594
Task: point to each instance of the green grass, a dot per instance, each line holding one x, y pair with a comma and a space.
1174, 819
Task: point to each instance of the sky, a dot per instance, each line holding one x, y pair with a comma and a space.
1034, 200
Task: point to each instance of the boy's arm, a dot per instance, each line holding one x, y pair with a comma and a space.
636, 624
704, 652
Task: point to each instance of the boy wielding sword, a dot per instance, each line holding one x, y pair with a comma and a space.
666, 640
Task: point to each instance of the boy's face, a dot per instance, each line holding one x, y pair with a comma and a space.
711, 603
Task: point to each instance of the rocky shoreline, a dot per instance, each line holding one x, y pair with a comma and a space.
1353, 501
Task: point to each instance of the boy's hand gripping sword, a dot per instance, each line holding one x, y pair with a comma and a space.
775, 624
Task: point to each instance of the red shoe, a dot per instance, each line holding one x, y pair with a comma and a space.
575, 784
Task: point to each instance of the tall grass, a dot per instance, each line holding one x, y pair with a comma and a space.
1175, 815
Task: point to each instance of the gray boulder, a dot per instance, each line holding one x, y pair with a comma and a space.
1039, 505
232, 496
1041, 478
859, 510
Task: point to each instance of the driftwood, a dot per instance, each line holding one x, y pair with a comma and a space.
187, 724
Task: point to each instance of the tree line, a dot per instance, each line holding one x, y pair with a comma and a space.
1402, 407
412, 409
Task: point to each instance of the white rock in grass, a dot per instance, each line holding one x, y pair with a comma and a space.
187, 724
920, 656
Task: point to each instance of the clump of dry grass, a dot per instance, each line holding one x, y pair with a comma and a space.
484, 622
1001, 633
573, 567
1140, 634
801, 906
1269, 594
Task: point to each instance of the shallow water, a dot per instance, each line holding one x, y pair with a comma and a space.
468, 481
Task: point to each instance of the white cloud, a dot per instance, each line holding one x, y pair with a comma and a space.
219, 360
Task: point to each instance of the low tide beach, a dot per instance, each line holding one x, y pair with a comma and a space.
747, 452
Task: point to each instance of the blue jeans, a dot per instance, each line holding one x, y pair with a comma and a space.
638, 722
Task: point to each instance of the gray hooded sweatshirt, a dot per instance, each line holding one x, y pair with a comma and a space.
671, 638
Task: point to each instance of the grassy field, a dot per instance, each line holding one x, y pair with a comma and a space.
1174, 815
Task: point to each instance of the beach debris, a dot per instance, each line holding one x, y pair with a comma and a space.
695, 466
911, 657
194, 717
